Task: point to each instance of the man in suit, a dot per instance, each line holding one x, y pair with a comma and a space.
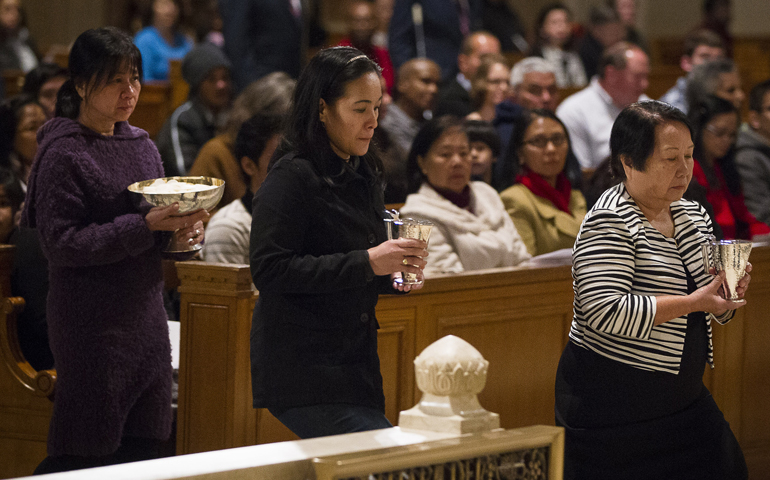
432, 28
454, 97
264, 36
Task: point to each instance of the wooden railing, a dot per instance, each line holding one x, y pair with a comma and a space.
517, 318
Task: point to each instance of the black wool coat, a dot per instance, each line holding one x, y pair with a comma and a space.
314, 331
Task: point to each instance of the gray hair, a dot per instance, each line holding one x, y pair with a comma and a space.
529, 65
703, 80
271, 94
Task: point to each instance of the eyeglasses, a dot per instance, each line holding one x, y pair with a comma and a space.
538, 90
542, 141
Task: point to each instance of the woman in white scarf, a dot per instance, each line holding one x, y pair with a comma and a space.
472, 229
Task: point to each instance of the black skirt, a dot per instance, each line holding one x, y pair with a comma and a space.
625, 423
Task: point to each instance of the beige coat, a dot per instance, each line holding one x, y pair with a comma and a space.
461, 240
543, 227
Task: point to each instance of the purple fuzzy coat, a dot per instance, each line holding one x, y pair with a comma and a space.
107, 325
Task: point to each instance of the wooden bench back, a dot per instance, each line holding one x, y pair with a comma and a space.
153, 107
25, 403
518, 318
13, 81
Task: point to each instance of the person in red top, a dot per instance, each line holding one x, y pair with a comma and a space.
715, 122
361, 25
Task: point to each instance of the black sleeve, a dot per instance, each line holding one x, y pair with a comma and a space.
281, 219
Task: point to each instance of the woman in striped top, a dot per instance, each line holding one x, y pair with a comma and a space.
629, 388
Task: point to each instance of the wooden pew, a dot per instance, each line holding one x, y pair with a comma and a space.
26, 394
25, 406
662, 78
666, 50
518, 318
180, 90
13, 80
153, 107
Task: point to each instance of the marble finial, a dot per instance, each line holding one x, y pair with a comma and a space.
450, 373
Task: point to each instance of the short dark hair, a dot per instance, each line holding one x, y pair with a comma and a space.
633, 134
710, 5
520, 125
615, 56
541, 16
757, 96
602, 15
428, 134
36, 78
96, 55
325, 77
254, 134
702, 37
481, 131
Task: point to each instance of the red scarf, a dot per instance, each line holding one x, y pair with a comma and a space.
536, 184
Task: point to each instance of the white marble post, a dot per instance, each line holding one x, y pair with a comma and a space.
450, 374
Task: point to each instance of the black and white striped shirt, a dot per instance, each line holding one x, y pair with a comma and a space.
620, 263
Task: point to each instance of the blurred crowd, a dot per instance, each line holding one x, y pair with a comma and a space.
496, 131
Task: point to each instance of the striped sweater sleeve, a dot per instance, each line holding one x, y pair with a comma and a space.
604, 267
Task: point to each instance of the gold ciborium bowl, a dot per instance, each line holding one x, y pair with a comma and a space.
192, 193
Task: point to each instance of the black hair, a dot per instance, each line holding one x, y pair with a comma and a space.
600, 15
97, 55
13, 189
521, 123
757, 95
632, 140
148, 12
325, 77
541, 16
710, 5
702, 37
700, 115
428, 134
481, 131
36, 78
254, 134
10, 115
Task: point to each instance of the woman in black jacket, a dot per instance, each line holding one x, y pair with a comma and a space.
320, 256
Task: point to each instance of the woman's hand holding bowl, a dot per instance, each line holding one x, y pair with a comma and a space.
188, 229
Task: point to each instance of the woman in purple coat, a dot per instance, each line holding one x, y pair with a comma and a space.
107, 325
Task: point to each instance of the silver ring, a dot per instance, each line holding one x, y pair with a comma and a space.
190, 241
197, 232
